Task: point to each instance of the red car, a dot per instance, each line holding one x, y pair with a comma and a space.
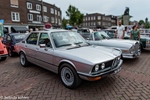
3, 51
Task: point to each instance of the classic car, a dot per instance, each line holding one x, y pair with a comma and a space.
67, 54
144, 41
10, 40
3, 51
130, 48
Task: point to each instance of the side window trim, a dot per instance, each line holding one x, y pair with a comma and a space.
34, 42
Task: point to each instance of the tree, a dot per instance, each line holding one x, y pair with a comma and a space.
64, 23
75, 16
141, 22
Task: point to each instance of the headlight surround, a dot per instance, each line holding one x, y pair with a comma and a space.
132, 49
96, 68
102, 65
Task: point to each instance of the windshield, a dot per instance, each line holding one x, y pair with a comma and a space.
67, 38
101, 35
19, 36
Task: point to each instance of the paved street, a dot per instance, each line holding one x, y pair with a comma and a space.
132, 82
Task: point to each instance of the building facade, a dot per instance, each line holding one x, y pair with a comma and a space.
97, 20
20, 15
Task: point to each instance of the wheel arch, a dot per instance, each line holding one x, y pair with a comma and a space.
66, 61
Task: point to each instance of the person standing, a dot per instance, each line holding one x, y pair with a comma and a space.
120, 31
135, 33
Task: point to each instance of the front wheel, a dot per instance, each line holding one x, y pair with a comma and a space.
23, 60
69, 76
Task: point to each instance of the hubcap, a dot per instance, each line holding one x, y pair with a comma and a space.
67, 76
22, 59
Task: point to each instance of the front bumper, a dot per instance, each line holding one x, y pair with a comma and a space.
134, 55
99, 75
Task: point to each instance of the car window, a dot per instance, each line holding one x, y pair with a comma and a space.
44, 39
32, 39
19, 36
97, 36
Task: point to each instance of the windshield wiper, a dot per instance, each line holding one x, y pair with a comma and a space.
78, 43
64, 45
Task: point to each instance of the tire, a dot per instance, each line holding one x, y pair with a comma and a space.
10, 53
3, 58
23, 60
69, 76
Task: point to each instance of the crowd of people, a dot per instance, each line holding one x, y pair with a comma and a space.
121, 31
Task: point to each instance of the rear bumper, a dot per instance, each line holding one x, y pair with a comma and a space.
3, 55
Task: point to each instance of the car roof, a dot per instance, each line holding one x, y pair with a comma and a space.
51, 30
16, 33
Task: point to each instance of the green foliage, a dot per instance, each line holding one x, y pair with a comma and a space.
147, 25
75, 16
141, 22
64, 23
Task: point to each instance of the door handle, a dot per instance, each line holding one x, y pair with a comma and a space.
26, 46
37, 48
45, 49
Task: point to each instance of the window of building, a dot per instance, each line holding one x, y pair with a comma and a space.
15, 16
91, 18
46, 19
29, 5
55, 20
55, 12
44, 8
52, 20
58, 13
39, 18
88, 18
94, 18
99, 23
59, 22
99, 18
14, 3
30, 17
38, 7
52, 11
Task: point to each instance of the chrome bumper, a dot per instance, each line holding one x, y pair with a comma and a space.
134, 55
3, 55
113, 70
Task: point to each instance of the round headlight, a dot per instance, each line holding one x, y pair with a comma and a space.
119, 58
96, 68
132, 49
103, 66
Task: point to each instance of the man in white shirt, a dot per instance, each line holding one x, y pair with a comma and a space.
120, 32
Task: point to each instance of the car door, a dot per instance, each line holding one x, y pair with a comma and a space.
31, 47
45, 53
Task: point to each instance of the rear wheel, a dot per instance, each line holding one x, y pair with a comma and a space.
23, 60
69, 76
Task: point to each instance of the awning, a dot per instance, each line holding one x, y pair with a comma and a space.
20, 28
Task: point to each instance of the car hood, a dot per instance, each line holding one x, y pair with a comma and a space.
113, 43
90, 54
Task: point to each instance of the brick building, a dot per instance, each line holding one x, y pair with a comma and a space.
20, 15
97, 20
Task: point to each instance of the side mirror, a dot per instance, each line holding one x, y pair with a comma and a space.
42, 45
87, 38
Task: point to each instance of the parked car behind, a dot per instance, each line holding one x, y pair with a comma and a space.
10, 41
3, 51
67, 54
130, 48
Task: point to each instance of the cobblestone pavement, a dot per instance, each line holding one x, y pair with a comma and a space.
35, 83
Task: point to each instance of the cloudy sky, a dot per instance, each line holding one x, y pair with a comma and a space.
139, 9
